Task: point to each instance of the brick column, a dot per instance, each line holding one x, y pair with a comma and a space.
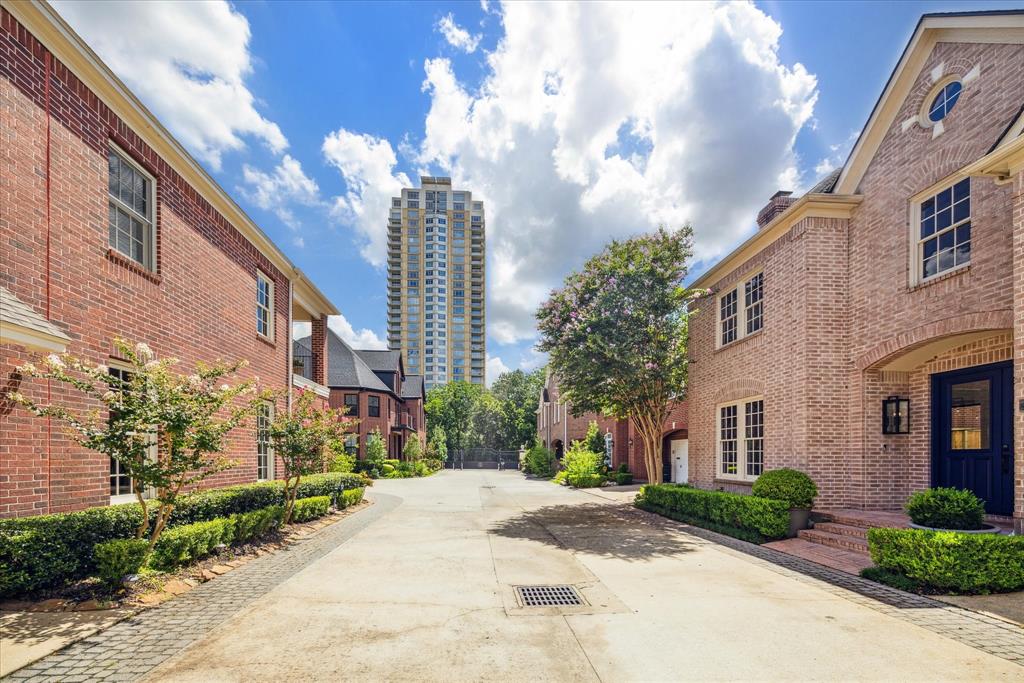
1018, 351
318, 349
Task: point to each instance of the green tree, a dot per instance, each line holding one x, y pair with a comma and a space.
594, 439
616, 333
437, 444
303, 440
451, 406
376, 450
518, 392
412, 450
486, 422
187, 417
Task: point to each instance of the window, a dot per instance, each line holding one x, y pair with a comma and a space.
741, 439
352, 403
131, 215
264, 305
727, 306
752, 303
264, 452
373, 406
944, 241
352, 444
741, 310
944, 101
122, 488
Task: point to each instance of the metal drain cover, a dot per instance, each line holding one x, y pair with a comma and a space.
548, 596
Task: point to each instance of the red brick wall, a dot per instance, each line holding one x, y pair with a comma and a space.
197, 306
839, 307
385, 421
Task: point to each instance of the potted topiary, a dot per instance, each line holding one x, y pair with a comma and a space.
793, 487
948, 509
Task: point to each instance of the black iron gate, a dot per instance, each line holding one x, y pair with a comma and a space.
483, 459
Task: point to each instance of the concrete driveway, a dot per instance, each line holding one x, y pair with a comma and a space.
425, 593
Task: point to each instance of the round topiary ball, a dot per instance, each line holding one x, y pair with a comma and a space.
946, 508
791, 486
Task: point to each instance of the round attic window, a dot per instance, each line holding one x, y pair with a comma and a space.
944, 101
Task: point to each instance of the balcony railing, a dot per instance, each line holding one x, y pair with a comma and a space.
302, 365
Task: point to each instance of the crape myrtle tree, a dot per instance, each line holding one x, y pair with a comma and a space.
303, 440
165, 429
616, 333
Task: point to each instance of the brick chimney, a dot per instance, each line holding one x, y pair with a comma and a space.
779, 202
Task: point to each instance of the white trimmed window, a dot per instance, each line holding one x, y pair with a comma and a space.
741, 439
264, 447
741, 310
131, 211
264, 305
122, 487
944, 231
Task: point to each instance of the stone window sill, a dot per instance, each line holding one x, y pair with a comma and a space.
949, 274
752, 335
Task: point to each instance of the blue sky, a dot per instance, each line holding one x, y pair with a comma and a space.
576, 123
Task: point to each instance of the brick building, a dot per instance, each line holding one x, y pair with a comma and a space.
375, 389
109, 228
557, 428
901, 275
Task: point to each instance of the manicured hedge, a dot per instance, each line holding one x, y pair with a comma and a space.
252, 525
38, 552
970, 563
191, 542
118, 558
308, 509
748, 517
348, 498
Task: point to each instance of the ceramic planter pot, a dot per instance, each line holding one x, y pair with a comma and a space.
798, 519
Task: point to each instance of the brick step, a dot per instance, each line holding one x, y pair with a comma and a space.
842, 529
831, 540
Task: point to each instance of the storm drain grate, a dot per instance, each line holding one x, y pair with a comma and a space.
548, 596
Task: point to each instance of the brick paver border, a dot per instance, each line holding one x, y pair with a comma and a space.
980, 631
132, 648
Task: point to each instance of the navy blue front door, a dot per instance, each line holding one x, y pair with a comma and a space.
972, 433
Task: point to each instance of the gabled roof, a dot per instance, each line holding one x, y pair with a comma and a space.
381, 360
413, 387
1005, 26
345, 369
21, 324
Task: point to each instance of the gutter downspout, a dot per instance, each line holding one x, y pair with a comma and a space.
49, 421
288, 355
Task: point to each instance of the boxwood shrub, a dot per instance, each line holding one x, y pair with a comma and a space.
946, 508
252, 525
118, 558
947, 560
308, 509
39, 552
747, 517
785, 484
348, 498
191, 542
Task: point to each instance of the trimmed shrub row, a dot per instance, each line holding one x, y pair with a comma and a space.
307, 509
348, 498
191, 542
747, 517
37, 552
969, 563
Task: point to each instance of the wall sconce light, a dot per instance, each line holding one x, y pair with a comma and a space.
896, 415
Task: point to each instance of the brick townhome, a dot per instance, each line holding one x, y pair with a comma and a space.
108, 228
900, 275
557, 428
374, 388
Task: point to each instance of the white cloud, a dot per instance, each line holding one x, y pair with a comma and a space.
366, 163
363, 338
188, 62
837, 155
276, 191
495, 368
603, 120
458, 37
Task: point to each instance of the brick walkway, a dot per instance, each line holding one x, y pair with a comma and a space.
980, 631
132, 648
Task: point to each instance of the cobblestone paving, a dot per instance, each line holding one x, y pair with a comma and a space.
981, 631
132, 648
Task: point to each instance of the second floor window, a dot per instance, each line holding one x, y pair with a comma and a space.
944, 240
373, 406
352, 403
264, 305
131, 212
741, 310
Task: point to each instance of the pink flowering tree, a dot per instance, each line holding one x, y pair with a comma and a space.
616, 334
303, 439
166, 430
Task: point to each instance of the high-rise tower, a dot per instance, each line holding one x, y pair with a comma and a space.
436, 282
